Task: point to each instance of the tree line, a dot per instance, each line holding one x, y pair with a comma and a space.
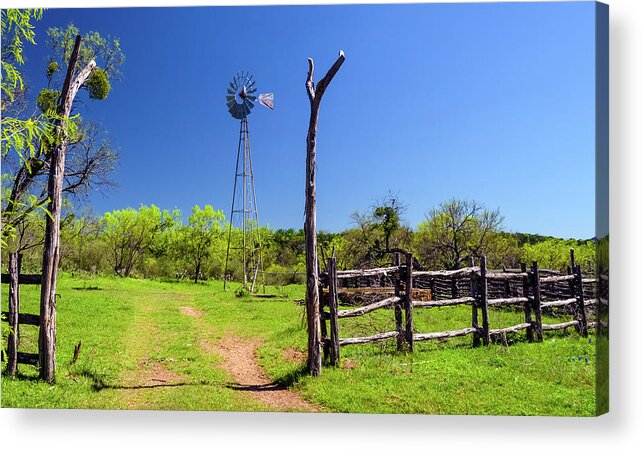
155, 243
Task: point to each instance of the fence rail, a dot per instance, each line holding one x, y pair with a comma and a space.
534, 290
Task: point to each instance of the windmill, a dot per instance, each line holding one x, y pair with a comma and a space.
244, 211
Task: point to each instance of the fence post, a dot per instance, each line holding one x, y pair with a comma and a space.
581, 313
537, 293
408, 303
474, 293
323, 302
483, 285
334, 311
14, 309
398, 314
572, 256
528, 317
454, 291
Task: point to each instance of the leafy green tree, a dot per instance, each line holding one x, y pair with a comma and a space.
197, 240
130, 233
455, 231
386, 215
90, 156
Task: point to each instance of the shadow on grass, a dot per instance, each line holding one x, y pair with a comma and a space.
20, 376
97, 387
266, 387
292, 377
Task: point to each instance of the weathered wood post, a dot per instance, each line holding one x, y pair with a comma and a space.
398, 313
323, 302
537, 297
311, 257
581, 309
474, 293
334, 311
13, 340
483, 300
572, 257
408, 304
528, 317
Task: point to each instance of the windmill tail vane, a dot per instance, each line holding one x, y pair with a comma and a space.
267, 100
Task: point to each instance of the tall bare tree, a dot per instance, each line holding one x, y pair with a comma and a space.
311, 259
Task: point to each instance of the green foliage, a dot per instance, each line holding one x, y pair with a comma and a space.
197, 242
106, 51
20, 135
130, 233
456, 231
48, 99
52, 68
17, 28
98, 84
554, 253
242, 292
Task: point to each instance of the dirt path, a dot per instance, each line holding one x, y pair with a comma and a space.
148, 374
239, 360
140, 385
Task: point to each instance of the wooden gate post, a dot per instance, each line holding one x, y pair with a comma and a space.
537, 294
13, 340
334, 311
408, 304
581, 309
528, 317
483, 288
398, 313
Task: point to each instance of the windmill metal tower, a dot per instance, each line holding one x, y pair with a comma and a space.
244, 213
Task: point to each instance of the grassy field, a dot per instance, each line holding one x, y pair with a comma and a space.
153, 345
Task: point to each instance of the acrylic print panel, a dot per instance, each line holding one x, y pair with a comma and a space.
185, 228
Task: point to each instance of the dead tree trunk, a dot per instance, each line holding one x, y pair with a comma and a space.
51, 252
311, 258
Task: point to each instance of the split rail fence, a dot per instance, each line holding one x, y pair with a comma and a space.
15, 318
536, 290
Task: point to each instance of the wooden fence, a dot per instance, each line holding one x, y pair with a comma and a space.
536, 290
15, 318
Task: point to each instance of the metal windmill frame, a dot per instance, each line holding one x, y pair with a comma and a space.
240, 101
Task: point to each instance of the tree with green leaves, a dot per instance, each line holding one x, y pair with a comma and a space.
18, 134
196, 241
90, 155
456, 231
130, 233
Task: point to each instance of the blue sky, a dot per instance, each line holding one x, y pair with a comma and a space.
491, 102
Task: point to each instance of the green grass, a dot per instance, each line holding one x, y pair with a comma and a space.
129, 324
